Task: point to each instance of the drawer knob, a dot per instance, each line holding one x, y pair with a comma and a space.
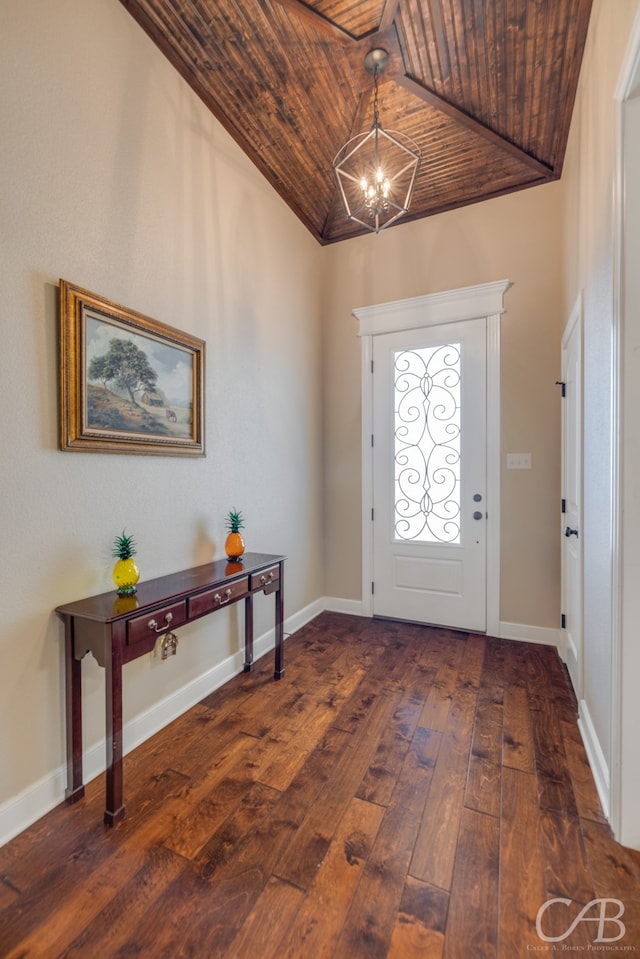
266, 579
221, 600
152, 624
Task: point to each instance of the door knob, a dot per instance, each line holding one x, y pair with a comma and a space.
570, 532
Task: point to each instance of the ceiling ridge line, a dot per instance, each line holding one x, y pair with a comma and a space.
318, 19
434, 99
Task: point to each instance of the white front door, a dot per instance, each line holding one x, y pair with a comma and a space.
429, 475
571, 529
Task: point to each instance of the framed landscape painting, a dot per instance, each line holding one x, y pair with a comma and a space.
128, 383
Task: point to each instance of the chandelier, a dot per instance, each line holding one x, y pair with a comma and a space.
376, 171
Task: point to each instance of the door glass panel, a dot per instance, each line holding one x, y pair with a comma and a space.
427, 444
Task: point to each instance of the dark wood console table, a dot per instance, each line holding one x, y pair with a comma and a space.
118, 630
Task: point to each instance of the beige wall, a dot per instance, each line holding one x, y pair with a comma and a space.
114, 176
518, 237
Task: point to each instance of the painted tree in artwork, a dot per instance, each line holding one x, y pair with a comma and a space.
99, 370
126, 365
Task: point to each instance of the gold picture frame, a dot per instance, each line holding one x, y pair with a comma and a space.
128, 383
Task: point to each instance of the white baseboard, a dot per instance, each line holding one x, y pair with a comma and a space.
39, 798
545, 635
301, 618
352, 607
596, 757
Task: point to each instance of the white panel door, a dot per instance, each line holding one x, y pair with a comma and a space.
429, 475
572, 496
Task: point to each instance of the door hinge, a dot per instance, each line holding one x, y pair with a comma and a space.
563, 621
373, 587
564, 387
372, 439
372, 514
564, 506
372, 366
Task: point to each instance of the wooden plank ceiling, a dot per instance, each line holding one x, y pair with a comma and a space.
484, 87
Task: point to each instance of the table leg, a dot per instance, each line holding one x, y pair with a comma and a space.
279, 651
248, 632
114, 810
73, 692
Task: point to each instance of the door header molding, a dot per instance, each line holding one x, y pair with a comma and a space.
433, 309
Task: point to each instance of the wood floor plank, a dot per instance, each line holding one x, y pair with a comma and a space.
484, 786
517, 743
473, 659
217, 894
210, 799
515, 665
261, 932
522, 882
316, 712
8, 894
321, 917
118, 926
494, 662
89, 895
371, 919
547, 677
335, 666
567, 873
484, 778
317, 818
53, 873
419, 929
472, 921
238, 828
555, 787
438, 705
435, 849
192, 731
308, 847
258, 715
380, 778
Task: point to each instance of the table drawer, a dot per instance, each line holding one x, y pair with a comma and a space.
217, 597
156, 623
268, 577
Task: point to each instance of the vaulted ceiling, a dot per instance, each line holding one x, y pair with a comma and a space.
484, 87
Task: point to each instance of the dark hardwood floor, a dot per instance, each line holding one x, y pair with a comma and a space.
404, 792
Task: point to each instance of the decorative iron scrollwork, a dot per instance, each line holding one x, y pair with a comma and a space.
427, 444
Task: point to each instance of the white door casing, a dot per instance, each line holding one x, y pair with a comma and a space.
468, 303
429, 475
571, 485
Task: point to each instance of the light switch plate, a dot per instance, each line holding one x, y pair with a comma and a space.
518, 461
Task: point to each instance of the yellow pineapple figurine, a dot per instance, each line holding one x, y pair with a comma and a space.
125, 573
